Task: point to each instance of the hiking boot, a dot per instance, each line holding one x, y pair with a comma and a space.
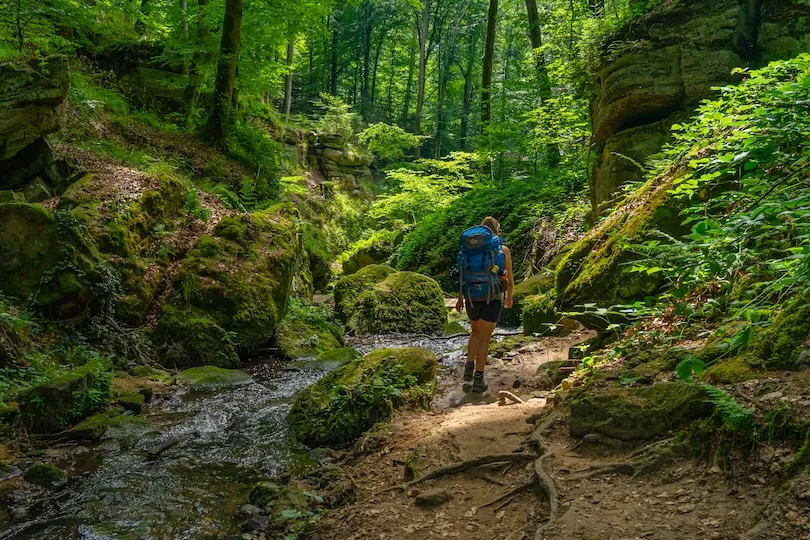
478, 385
469, 369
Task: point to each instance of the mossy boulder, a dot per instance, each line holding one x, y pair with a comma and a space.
637, 414
652, 364
730, 371
240, 276
403, 302
349, 288
316, 247
377, 249
46, 475
539, 312
784, 344
132, 401
53, 405
212, 377
535, 285
278, 499
129, 428
91, 429
187, 338
308, 330
29, 242
351, 399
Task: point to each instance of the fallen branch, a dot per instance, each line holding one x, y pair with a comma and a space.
504, 396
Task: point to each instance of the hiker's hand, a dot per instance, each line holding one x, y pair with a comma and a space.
459, 305
508, 303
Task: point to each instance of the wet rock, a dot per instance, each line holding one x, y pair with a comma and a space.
212, 377
308, 330
330, 360
315, 412
90, 429
131, 401
46, 475
36, 191
249, 510
432, 498
255, 523
7, 470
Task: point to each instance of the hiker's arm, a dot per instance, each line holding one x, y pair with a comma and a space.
510, 280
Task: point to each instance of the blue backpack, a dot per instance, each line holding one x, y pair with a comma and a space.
480, 264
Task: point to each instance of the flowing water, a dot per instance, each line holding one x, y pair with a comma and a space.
186, 476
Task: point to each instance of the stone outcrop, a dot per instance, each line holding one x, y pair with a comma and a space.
338, 162
33, 104
659, 67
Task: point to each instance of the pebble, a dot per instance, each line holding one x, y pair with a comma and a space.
433, 497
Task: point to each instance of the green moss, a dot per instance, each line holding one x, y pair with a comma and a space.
308, 330
731, 371
403, 302
376, 249
46, 475
535, 285
539, 312
316, 245
29, 243
784, 342
153, 374
337, 357
245, 287
635, 414
351, 399
91, 429
53, 405
212, 376
185, 338
349, 288
131, 401
454, 327
508, 344
647, 365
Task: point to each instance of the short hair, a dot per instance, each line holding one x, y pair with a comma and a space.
492, 223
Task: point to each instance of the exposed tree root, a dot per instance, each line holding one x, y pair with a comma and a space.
462, 466
645, 460
512, 492
544, 481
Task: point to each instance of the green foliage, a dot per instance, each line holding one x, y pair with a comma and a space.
253, 146
194, 208
388, 142
733, 414
308, 330
338, 118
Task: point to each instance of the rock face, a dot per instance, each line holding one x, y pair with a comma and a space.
339, 163
663, 64
345, 403
33, 102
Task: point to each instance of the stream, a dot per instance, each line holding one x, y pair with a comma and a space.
187, 475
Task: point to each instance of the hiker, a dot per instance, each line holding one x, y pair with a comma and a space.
484, 266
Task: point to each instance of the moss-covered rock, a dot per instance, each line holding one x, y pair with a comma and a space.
186, 338
351, 399
499, 349
330, 360
132, 401
651, 364
730, 371
377, 249
91, 429
29, 243
535, 285
240, 277
637, 414
539, 312
308, 330
278, 500
212, 376
349, 288
402, 302
319, 256
46, 475
52, 406
784, 343
129, 428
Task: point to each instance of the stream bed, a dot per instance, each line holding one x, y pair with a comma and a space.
186, 475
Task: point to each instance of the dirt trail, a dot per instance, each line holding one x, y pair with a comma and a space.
683, 500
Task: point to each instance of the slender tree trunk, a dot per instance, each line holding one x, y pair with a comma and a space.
389, 101
365, 87
486, 70
466, 104
195, 73
443, 67
536, 38
222, 109
184, 16
288, 80
420, 86
374, 69
335, 35
406, 101
325, 74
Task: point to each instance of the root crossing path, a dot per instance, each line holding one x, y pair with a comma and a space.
450, 473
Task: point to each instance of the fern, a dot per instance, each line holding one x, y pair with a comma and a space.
248, 194
733, 414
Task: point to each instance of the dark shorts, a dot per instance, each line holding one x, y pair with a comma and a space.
488, 311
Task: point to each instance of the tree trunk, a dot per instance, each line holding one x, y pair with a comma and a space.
406, 101
222, 110
288, 80
335, 34
325, 74
420, 85
374, 69
486, 70
366, 44
389, 100
443, 66
195, 74
466, 104
184, 16
536, 38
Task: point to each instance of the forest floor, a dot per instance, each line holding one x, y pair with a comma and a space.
684, 499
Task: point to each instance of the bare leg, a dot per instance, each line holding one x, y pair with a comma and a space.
486, 329
474, 345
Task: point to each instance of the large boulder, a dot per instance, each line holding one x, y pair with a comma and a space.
53, 405
637, 414
349, 288
403, 302
657, 69
238, 278
33, 103
351, 399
